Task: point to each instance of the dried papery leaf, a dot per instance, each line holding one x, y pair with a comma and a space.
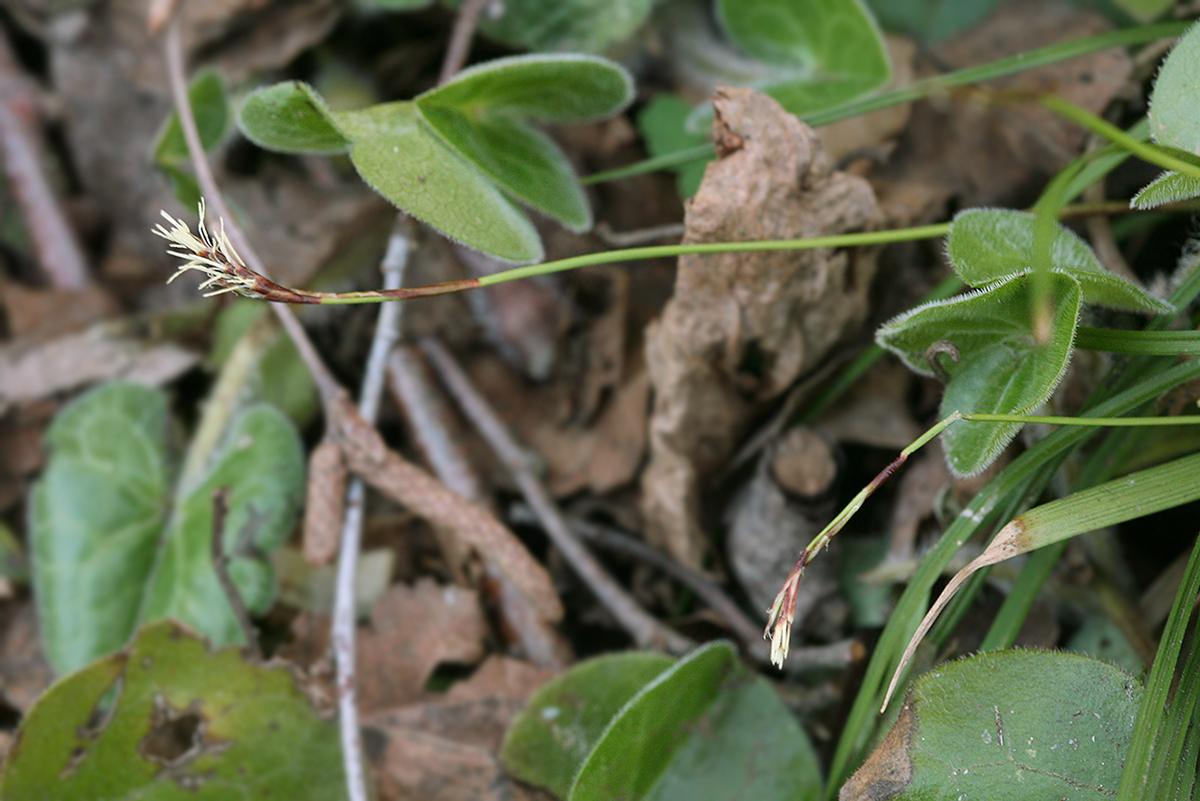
325, 503
385, 470
741, 328
1135, 495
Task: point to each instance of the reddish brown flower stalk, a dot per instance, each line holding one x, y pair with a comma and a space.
210, 251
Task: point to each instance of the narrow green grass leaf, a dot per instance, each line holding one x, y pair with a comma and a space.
1135, 495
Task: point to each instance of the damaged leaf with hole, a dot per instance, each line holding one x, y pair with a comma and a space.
171, 718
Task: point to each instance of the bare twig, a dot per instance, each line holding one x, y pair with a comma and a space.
343, 606
432, 425
460, 38
327, 386
645, 629
220, 561
747, 630
57, 249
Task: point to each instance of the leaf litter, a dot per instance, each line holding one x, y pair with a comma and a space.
637, 421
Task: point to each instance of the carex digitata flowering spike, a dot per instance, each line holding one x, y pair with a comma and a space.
210, 251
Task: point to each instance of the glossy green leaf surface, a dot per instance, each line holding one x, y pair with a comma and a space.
692, 733
564, 25
1174, 111
262, 461
550, 740
1001, 370
291, 117
989, 245
95, 518
171, 719
1006, 726
545, 88
397, 153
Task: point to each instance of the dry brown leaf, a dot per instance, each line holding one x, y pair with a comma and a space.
33, 372
742, 327
876, 410
447, 748
21, 453
973, 153
413, 630
40, 314
476, 528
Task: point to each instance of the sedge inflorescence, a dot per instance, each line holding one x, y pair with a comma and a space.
210, 252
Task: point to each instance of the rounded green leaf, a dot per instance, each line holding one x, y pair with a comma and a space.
171, 719
262, 461
1007, 726
549, 741
1174, 112
95, 518
291, 117
570, 25
546, 88
524, 162
990, 245
836, 42
1000, 370
705, 729
406, 162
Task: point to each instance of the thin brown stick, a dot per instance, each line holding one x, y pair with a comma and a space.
332, 395
644, 628
220, 563
53, 239
460, 38
327, 385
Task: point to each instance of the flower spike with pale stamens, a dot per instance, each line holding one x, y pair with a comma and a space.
212, 254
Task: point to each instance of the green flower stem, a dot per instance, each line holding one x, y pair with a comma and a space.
927, 88
1144, 150
1148, 343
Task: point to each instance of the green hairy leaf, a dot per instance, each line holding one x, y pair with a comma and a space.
1000, 368
989, 245
1174, 112
171, 719
449, 157
402, 158
291, 118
